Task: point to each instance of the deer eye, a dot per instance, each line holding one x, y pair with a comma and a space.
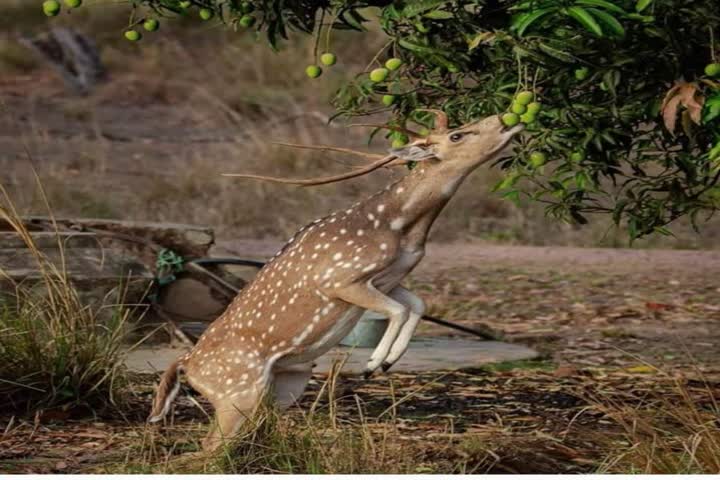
456, 137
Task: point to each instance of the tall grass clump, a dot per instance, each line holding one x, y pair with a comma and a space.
56, 349
679, 434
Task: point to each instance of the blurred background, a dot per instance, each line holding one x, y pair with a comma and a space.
193, 101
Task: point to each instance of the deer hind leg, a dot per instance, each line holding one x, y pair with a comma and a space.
417, 309
368, 297
232, 409
289, 383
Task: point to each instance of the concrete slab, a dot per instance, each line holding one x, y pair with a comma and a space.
437, 353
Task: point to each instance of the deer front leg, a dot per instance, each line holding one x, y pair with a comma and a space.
365, 295
417, 309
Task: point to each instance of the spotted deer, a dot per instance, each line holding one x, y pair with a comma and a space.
314, 290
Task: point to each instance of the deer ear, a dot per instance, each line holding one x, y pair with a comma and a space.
413, 153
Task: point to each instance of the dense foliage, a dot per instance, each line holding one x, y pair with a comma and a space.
630, 123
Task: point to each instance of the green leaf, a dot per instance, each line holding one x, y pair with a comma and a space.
417, 7
663, 231
641, 18
513, 196
642, 5
416, 47
618, 211
601, 4
578, 217
507, 182
611, 79
609, 22
581, 180
585, 19
481, 37
524, 21
557, 54
439, 15
711, 109
714, 152
351, 18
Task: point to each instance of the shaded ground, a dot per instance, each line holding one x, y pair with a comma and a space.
601, 317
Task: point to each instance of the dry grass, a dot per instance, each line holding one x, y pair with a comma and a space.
679, 434
57, 349
312, 441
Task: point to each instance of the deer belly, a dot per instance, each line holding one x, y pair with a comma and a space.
391, 277
330, 338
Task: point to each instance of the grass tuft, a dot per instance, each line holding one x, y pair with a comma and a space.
56, 349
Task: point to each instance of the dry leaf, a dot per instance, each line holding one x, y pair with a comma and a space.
682, 94
641, 369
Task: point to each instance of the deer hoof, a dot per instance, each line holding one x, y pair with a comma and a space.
367, 374
386, 366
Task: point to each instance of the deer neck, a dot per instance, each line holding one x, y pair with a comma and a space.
411, 205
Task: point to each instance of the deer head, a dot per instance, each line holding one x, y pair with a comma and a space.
461, 149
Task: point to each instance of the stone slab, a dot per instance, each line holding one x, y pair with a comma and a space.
424, 354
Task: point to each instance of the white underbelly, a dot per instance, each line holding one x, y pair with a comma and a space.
331, 338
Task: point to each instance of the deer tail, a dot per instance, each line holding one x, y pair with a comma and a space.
166, 392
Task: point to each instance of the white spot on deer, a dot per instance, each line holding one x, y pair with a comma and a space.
343, 231
399, 190
380, 208
371, 216
337, 256
397, 223
360, 233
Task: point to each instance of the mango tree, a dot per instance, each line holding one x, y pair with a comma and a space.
625, 115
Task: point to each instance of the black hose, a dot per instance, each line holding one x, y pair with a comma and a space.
229, 261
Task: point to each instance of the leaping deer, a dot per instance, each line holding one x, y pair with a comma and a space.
314, 290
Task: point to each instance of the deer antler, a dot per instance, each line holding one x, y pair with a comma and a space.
410, 133
441, 125
320, 180
330, 148
441, 119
